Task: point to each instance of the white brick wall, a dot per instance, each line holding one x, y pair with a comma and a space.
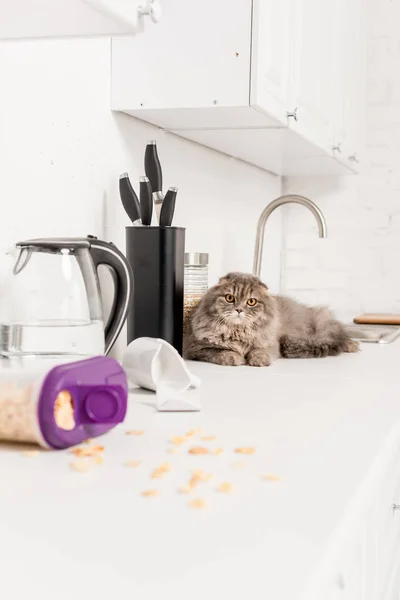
357, 268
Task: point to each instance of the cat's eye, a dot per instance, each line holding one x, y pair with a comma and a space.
229, 298
251, 301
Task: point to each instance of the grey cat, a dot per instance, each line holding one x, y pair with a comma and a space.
239, 322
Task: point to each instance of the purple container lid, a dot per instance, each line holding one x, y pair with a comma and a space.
99, 390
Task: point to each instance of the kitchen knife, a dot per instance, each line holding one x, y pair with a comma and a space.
168, 207
129, 199
153, 171
146, 200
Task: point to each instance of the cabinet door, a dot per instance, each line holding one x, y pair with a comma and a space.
312, 69
272, 45
350, 81
59, 18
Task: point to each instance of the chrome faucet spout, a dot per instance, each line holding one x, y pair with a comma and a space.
287, 199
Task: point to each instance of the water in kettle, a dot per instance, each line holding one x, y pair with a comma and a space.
52, 338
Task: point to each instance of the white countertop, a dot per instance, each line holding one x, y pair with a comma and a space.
318, 424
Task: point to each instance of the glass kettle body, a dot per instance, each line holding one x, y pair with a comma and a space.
52, 303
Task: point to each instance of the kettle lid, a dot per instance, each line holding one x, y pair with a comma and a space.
55, 243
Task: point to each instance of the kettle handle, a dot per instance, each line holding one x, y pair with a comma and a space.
107, 254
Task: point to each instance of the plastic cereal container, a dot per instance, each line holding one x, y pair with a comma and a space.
64, 405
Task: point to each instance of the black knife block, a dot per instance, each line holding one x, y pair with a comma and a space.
156, 255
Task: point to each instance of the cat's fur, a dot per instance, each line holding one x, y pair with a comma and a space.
275, 326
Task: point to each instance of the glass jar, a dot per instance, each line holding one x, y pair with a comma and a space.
196, 283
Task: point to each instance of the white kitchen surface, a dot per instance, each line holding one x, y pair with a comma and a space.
318, 424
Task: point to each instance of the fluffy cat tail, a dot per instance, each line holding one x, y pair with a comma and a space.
292, 347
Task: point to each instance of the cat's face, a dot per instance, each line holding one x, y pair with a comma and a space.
239, 300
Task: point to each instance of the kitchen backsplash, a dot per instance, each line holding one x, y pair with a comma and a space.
357, 267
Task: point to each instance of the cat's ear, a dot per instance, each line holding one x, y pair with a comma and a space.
229, 277
242, 278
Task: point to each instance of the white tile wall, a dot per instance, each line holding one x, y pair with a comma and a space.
357, 268
62, 150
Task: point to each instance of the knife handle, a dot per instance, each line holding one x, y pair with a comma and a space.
146, 200
129, 199
152, 166
168, 207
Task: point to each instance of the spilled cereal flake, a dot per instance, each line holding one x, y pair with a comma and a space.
225, 488
172, 450
31, 453
178, 440
134, 432
217, 451
81, 466
198, 450
91, 451
161, 470
98, 460
245, 450
150, 493
208, 438
185, 489
132, 463
270, 477
239, 464
165, 467
194, 432
198, 503
201, 475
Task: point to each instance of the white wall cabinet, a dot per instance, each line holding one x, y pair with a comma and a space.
312, 74
348, 126
59, 18
272, 39
228, 74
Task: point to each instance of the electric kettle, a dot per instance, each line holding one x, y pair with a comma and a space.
52, 305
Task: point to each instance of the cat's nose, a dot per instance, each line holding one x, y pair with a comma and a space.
239, 310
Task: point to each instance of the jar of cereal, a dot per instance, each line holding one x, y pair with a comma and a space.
196, 283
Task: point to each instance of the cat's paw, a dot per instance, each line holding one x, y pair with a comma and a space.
229, 358
351, 346
258, 358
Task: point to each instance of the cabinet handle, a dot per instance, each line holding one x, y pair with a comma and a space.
337, 148
292, 114
354, 158
151, 8
395, 507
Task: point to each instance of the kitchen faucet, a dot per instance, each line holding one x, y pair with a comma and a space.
287, 199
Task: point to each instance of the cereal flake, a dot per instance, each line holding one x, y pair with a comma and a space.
177, 440
81, 466
198, 450
271, 477
225, 488
132, 463
198, 503
150, 493
217, 451
245, 450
